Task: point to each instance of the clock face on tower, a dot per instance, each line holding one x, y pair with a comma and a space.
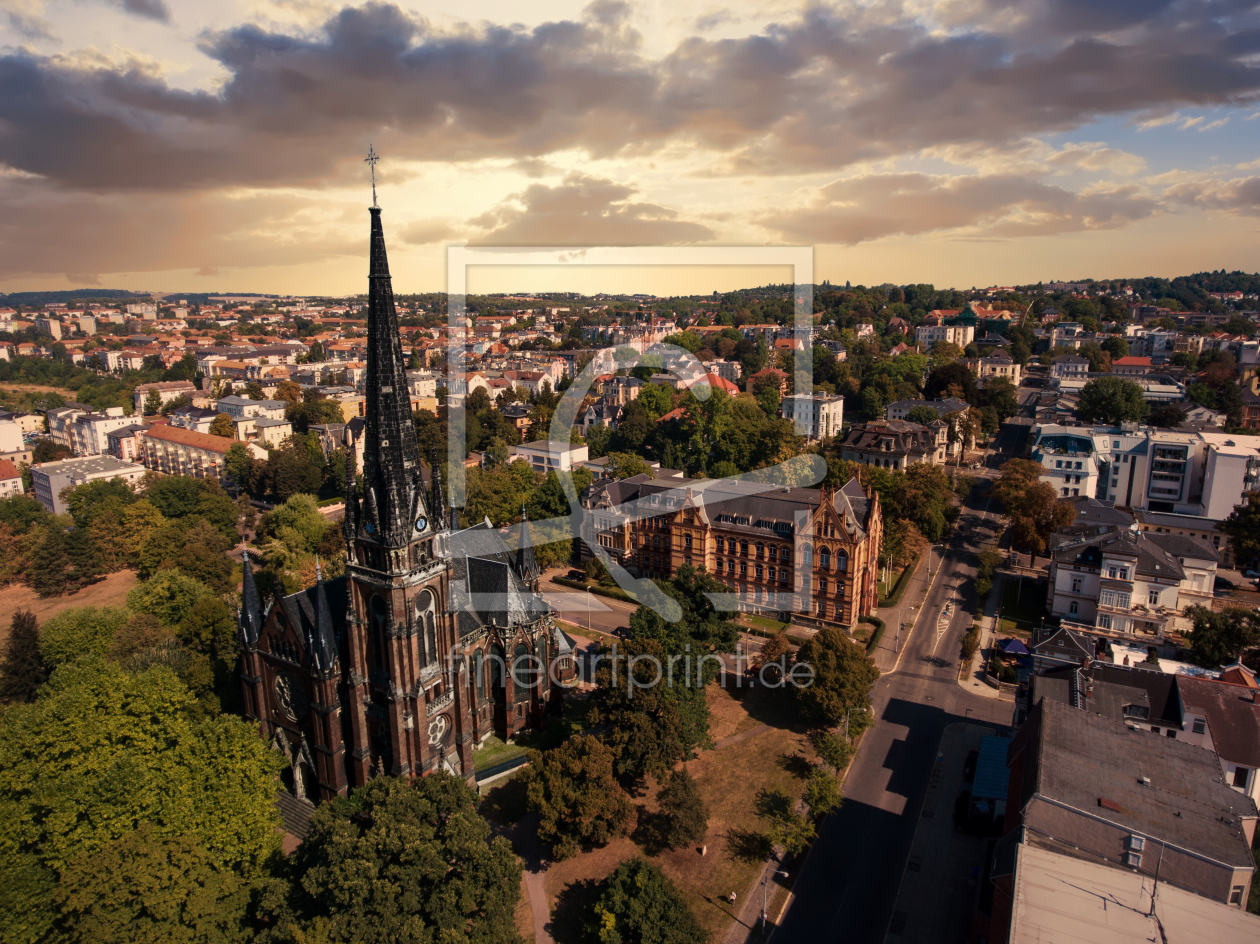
421, 523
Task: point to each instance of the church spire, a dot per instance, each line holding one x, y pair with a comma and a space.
390, 453
526, 564
324, 643
437, 499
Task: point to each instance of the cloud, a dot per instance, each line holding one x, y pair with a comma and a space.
148, 9
828, 89
1235, 195
1218, 123
584, 211
209, 271
45, 232
424, 232
868, 207
81, 278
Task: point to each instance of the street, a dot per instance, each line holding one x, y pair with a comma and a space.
848, 886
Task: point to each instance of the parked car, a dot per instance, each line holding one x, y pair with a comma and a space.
622, 632
575, 575
1252, 574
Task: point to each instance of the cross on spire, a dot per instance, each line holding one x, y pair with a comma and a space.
371, 160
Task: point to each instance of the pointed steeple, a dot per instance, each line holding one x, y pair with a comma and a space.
526, 564
391, 456
350, 521
251, 612
324, 644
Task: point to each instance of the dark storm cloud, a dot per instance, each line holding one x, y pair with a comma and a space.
825, 90
149, 9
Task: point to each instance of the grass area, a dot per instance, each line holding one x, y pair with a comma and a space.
112, 591
555, 731
729, 781
26, 397
1022, 607
573, 629
763, 622
862, 633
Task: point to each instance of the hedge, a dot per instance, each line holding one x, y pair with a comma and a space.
900, 586
873, 642
613, 593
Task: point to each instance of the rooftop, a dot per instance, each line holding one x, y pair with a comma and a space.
187, 437
87, 465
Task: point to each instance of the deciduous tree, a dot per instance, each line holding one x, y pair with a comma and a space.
1222, 637
1112, 400
223, 426
640, 905
842, 678
684, 813
574, 789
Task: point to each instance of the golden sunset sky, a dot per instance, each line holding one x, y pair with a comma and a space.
174, 145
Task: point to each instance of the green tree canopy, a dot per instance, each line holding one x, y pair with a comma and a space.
1032, 506
923, 415
410, 863
843, 676
574, 789
1112, 400
22, 667
223, 426
102, 751
79, 632
640, 905
1243, 528
169, 595
623, 465
1222, 637
684, 814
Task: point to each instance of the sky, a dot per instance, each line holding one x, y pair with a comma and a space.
172, 145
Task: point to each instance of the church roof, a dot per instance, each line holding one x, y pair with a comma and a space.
485, 588
304, 610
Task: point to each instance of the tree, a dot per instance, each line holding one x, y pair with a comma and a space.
22, 668
1243, 529
785, 827
223, 426
292, 469
1112, 400
254, 391
103, 750
1169, 415
833, 750
841, 686
944, 378
169, 595
152, 403
574, 789
640, 905
48, 563
409, 862
80, 632
822, 792
143, 887
623, 465
1032, 506
289, 392
1222, 637
597, 438
1116, 346
685, 815
923, 415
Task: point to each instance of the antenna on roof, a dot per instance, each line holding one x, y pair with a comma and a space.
371, 160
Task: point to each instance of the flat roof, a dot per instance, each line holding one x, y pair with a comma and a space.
88, 465
1061, 898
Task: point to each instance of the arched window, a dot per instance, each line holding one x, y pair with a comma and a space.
479, 673
807, 556
842, 560
824, 558
380, 622
524, 669
497, 677
430, 635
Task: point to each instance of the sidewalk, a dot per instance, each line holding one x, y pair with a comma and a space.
973, 678
937, 891
909, 610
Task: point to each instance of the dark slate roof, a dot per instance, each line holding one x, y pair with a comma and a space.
1106, 689
1182, 545
907, 438
1233, 717
485, 589
1153, 559
302, 611
1083, 757
250, 620
1065, 638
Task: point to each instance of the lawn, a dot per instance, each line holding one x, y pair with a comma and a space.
112, 591
554, 732
1023, 608
729, 780
763, 622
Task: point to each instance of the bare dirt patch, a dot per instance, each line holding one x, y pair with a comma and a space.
112, 591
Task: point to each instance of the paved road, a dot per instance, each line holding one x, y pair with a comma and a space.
848, 887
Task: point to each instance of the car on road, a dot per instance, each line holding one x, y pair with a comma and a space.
575, 575
1222, 587
1251, 574
622, 632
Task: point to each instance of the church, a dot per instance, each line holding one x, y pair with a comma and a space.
435, 638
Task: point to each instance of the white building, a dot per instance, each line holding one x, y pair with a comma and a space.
997, 365
422, 383
930, 335
241, 407
548, 456
817, 416
1231, 469
168, 391
10, 434
50, 479
49, 326
10, 480
1068, 365
1131, 583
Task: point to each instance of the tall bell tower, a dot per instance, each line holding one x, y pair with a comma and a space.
406, 714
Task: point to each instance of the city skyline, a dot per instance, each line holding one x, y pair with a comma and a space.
182, 147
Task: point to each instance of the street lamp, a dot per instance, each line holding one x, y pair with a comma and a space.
765, 880
588, 607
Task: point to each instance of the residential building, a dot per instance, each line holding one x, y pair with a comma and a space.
1224, 717
271, 432
727, 370
422, 383
1192, 526
1131, 366
127, 443
50, 479
1107, 793
10, 434
167, 390
895, 444
900, 409
930, 334
242, 406
83, 430
1130, 584
176, 451
194, 418
817, 416
1068, 365
10, 480
50, 326
808, 553
1231, 470
996, 365
548, 456
772, 373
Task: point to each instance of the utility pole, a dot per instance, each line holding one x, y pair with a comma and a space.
765, 880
